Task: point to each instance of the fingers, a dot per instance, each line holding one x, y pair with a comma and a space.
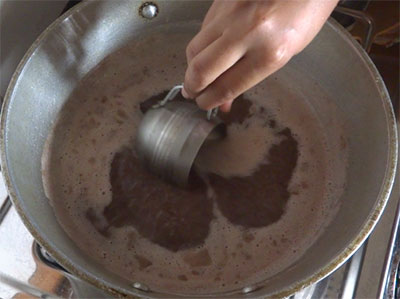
210, 63
226, 107
242, 76
203, 39
210, 31
211, 14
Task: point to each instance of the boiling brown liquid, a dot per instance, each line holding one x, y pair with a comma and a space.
262, 197
167, 215
177, 218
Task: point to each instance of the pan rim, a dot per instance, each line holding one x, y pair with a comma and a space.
367, 228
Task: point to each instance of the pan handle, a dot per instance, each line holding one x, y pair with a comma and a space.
366, 20
389, 284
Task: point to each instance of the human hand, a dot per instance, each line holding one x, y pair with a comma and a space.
242, 42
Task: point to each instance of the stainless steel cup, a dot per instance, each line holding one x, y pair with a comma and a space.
170, 137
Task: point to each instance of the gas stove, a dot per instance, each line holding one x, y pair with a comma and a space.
27, 270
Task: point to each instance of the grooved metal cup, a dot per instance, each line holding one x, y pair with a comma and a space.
170, 137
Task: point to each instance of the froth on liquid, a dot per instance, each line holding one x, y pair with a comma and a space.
264, 202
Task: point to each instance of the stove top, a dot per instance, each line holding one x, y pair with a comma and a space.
26, 270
